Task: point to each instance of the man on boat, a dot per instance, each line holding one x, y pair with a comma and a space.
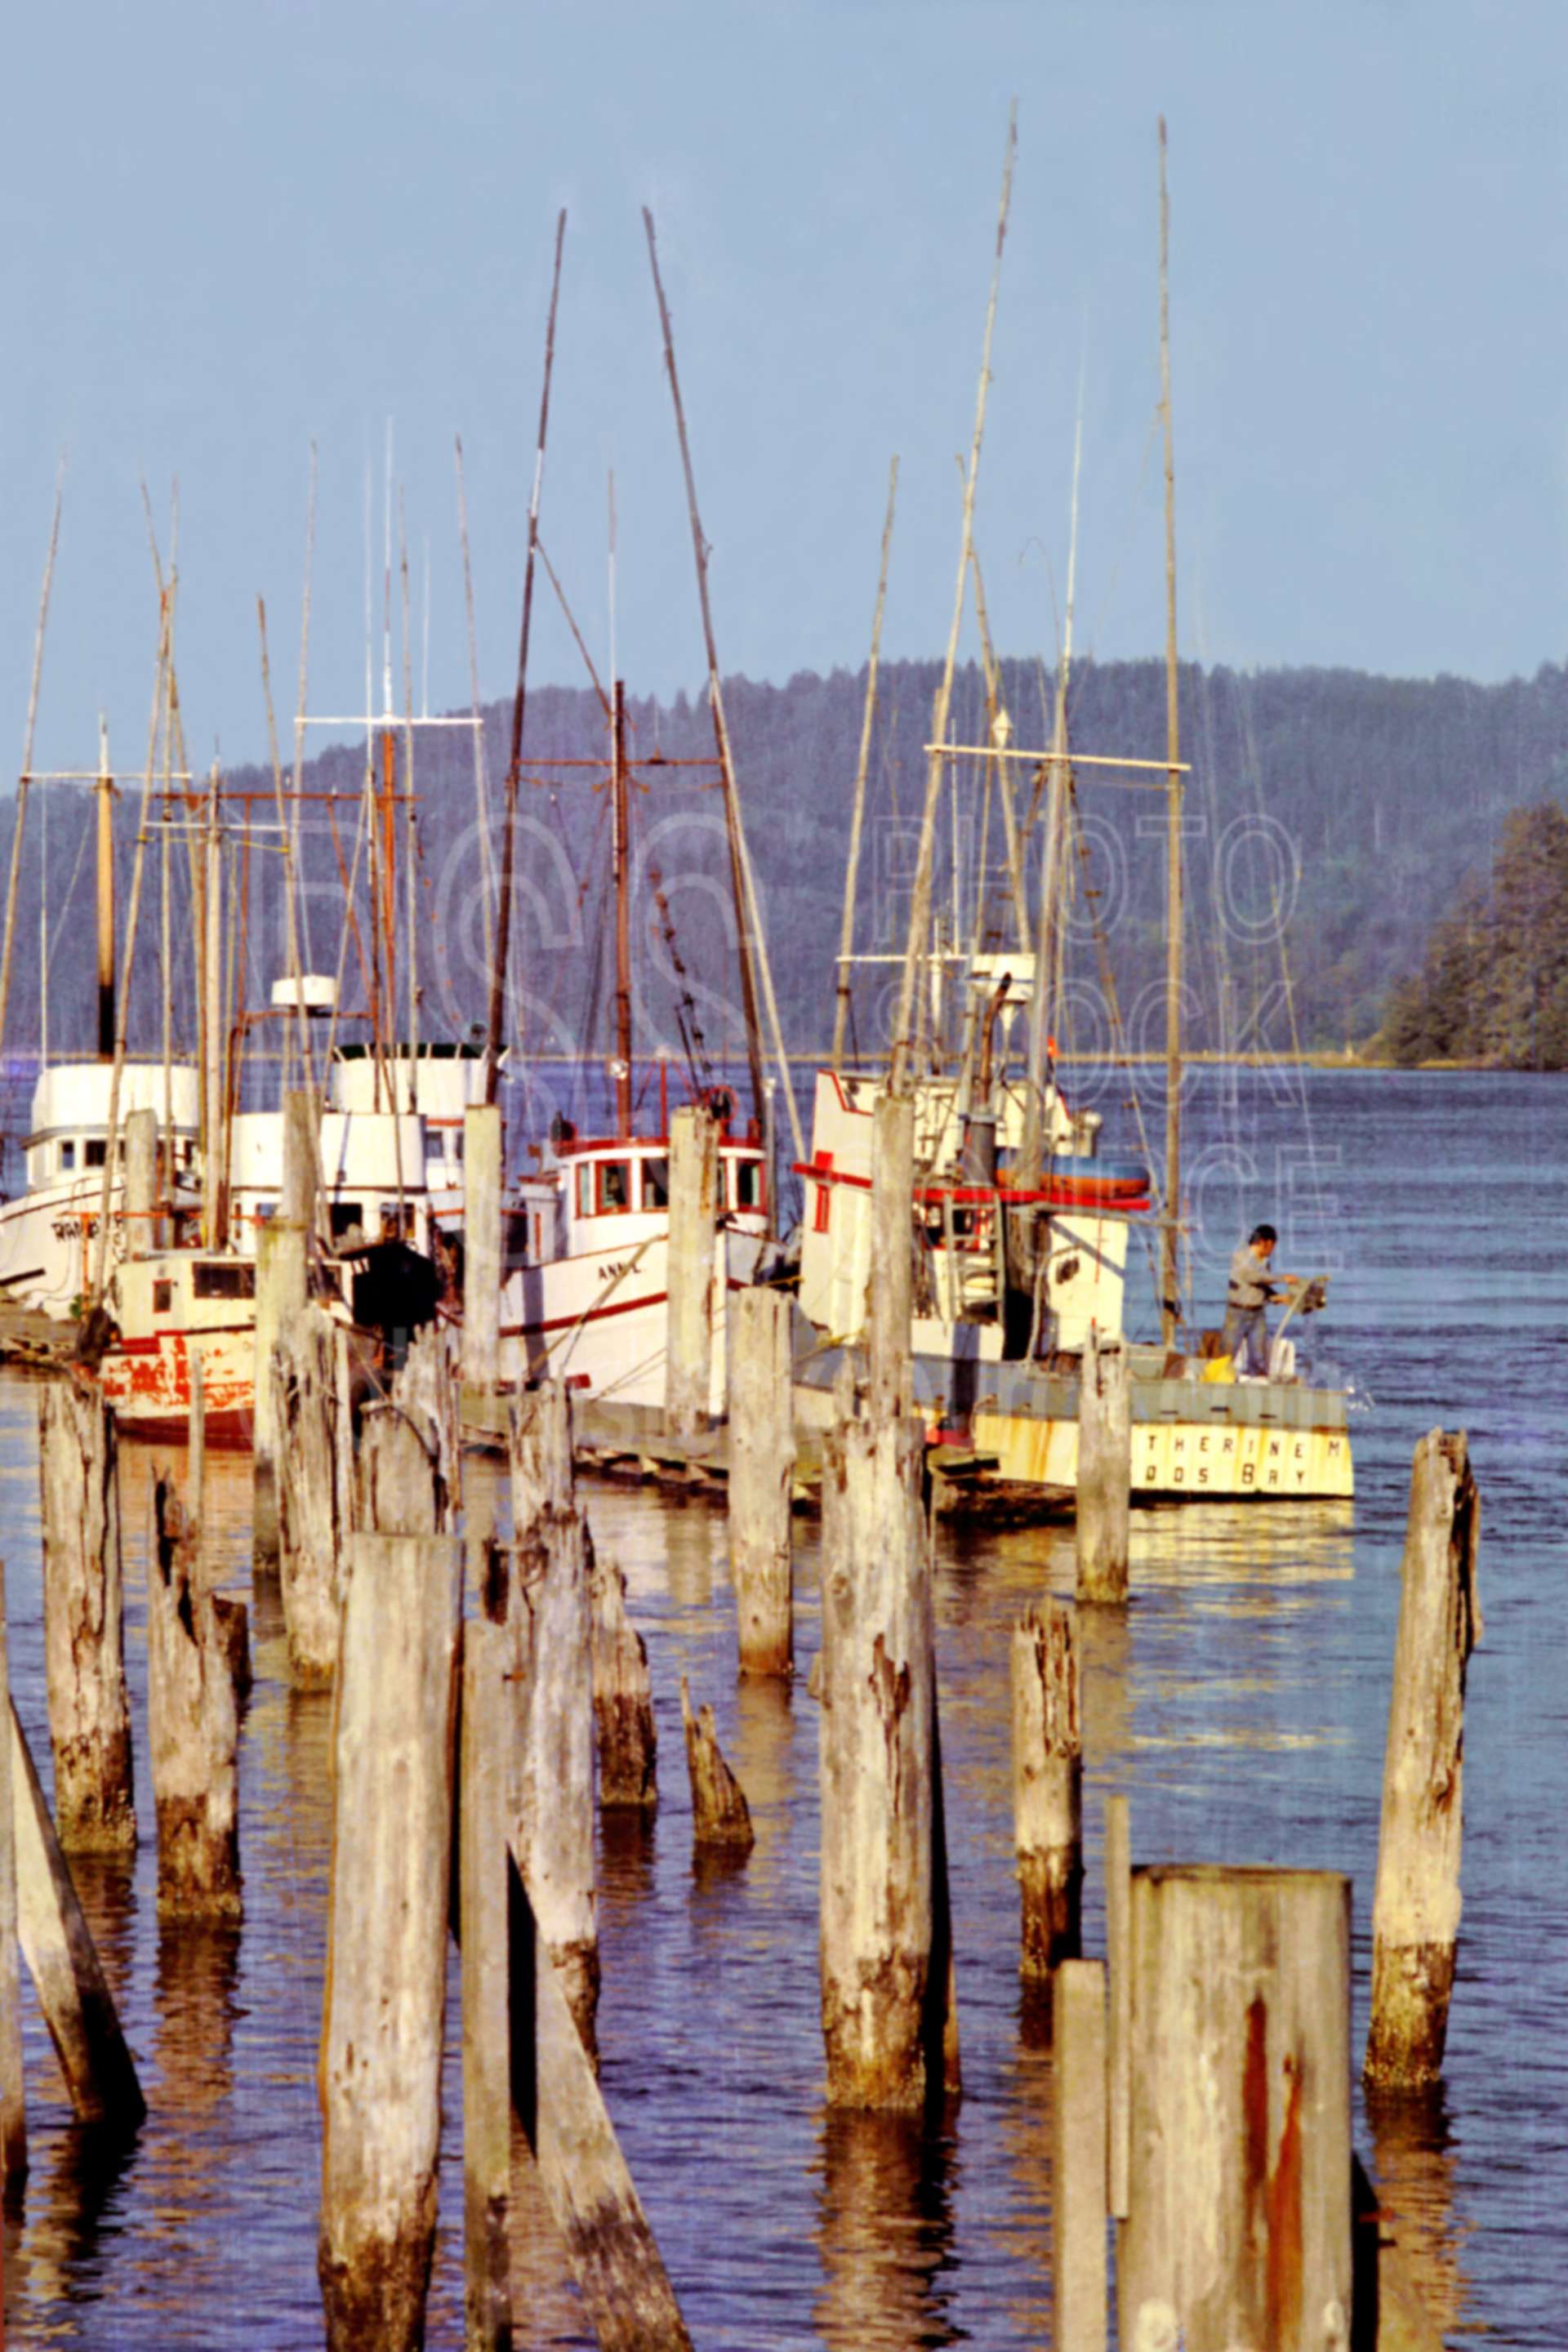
1246, 1301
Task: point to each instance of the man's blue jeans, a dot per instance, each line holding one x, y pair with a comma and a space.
1247, 1337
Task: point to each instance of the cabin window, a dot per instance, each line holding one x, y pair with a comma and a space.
163, 1297
397, 1223
68, 1155
347, 1217
615, 1187
748, 1184
231, 1281
823, 1208
514, 1240
656, 1183
586, 1189
455, 1145
94, 1152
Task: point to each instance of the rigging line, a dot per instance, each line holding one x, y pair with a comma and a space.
851, 880
349, 925
27, 733
289, 844
550, 574
303, 902
411, 826
481, 783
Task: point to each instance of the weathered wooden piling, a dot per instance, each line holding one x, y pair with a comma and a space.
1238, 2223
719, 1813
1118, 1863
623, 1696
386, 1981
193, 1723
879, 1896
1078, 2121
552, 1686
693, 1220
484, 1823
13, 2099
140, 1147
481, 1246
84, 1634
62, 1960
762, 1475
1048, 1786
410, 1453
282, 1288
1104, 1470
315, 1487
1416, 1910
891, 1302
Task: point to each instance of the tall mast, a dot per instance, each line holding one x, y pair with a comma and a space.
847, 936
1170, 1284
919, 906
25, 777
103, 797
212, 1027
623, 916
514, 764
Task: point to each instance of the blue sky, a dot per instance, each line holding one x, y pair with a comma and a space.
233, 231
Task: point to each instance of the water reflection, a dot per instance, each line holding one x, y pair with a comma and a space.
1413, 2167
764, 1760
885, 2235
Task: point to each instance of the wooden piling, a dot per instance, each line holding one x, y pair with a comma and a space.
484, 1821
1104, 1470
481, 1246
193, 1724
1238, 2224
623, 1698
693, 1219
876, 1756
13, 2099
280, 1295
1416, 1910
1078, 2118
719, 1813
140, 1147
1048, 1786
315, 1487
62, 1960
386, 1979
84, 1634
196, 1441
890, 1301
552, 1686
1118, 1859
409, 1452
762, 1475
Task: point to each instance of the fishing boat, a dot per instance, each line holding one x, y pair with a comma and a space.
1021, 1231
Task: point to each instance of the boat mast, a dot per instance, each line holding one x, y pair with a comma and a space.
103, 797
514, 764
25, 777
919, 906
212, 1026
1170, 1284
857, 824
623, 915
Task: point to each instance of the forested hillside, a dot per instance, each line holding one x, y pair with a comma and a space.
1332, 821
1493, 984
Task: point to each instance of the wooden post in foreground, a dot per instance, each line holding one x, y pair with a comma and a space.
552, 1693
1077, 2201
315, 1487
193, 1723
141, 1140
1238, 2224
623, 1698
881, 2011
761, 1473
1104, 1470
13, 2100
719, 1813
409, 1456
380, 2070
1415, 1911
484, 1818
1048, 1786
891, 1301
693, 1216
1118, 1861
481, 1246
62, 1960
84, 1632
280, 1296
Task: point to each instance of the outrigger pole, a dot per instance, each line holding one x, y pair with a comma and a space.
898, 1076
1170, 1283
741, 882
514, 764
857, 822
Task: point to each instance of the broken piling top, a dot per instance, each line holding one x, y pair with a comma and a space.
1239, 2191
719, 1813
540, 1449
84, 1632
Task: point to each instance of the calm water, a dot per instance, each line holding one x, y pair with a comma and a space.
1240, 1706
